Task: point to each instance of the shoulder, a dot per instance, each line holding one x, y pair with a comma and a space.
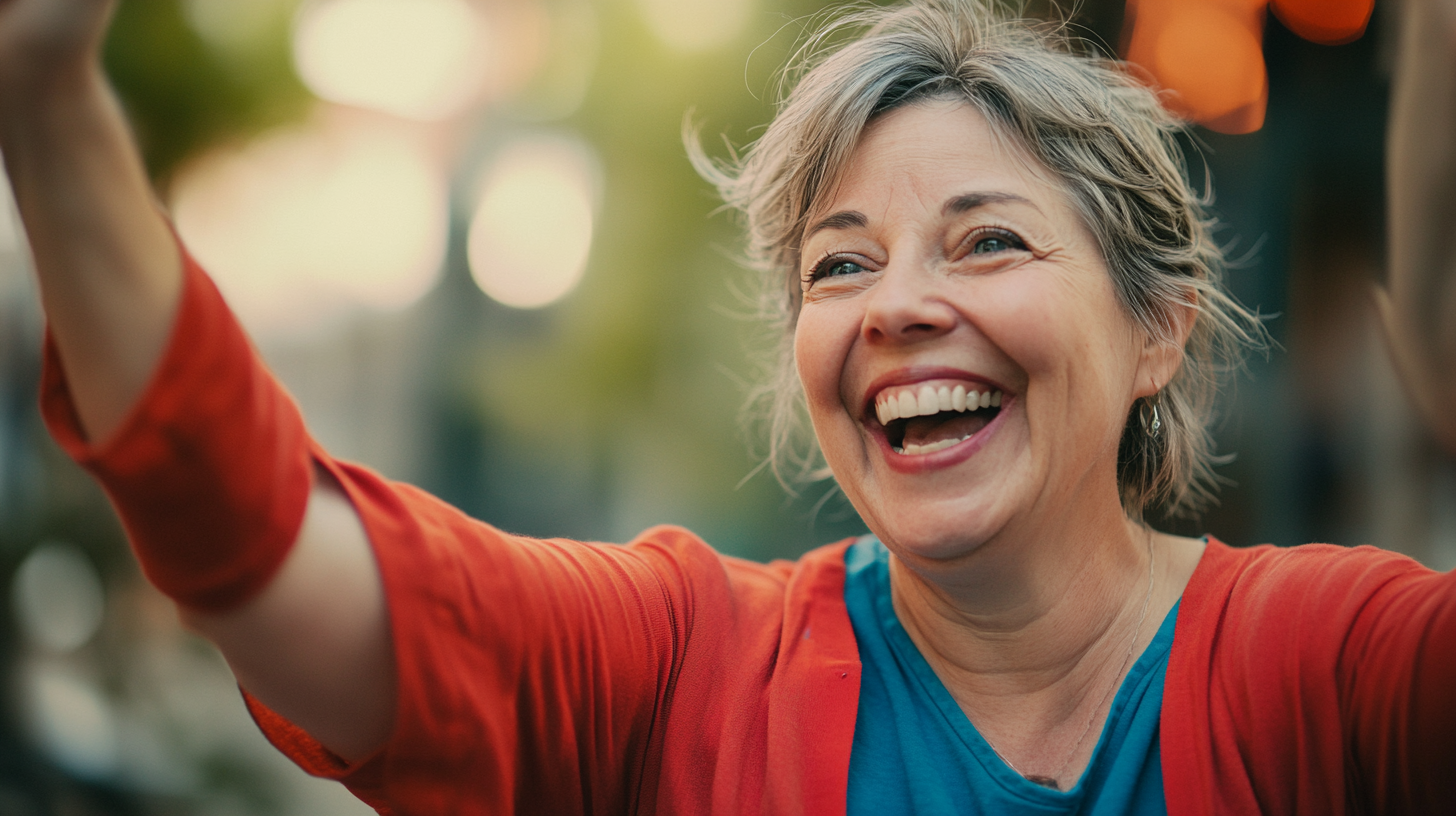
1282, 576
717, 579
1272, 650
1306, 599
731, 613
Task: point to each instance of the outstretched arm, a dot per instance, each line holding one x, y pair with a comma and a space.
108, 267
314, 644
1419, 309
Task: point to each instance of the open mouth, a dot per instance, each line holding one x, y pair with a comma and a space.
928, 417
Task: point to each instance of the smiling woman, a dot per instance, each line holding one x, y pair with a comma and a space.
1003, 319
1080, 125
965, 271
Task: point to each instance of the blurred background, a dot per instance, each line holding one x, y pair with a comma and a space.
465, 234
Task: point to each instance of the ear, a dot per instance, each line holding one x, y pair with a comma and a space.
1161, 359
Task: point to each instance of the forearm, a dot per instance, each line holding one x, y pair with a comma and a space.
108, 266
212, 479
211, 474
1421, 179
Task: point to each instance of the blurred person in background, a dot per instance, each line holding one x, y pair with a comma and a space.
1002, 307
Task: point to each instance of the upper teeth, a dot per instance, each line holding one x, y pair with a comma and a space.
912, 401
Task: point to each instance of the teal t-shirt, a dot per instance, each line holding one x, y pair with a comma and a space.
915, 752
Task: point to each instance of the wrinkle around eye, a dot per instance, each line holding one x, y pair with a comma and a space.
839, 286
987, 263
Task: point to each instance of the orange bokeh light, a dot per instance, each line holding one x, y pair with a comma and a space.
1208, 54
1327, 22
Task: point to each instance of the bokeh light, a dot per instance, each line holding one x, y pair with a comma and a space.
532, 229
697, 25
58, 598
420, 59
562, 75
69, 718
306, 224
1327, 22
1210, 54
230, 24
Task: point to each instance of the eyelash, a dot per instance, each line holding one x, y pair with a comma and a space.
982, 233
821, 268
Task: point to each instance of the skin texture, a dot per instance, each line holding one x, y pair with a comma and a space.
1015, 570
110, 279
108, 268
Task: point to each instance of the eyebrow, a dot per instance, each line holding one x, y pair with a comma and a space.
846, 219
843, 219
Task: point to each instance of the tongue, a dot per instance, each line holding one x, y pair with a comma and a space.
927, 430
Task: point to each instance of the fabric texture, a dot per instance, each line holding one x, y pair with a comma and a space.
1313, 679
916, 752
210, 516
660, 677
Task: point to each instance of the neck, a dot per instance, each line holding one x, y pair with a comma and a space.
1033, 635
1016, 616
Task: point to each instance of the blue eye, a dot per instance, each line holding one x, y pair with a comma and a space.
997, 241
836, 267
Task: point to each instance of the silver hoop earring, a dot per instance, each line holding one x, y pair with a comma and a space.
1152, 421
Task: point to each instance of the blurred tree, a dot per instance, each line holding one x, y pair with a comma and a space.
184, 93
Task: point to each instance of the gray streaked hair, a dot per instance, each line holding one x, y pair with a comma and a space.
1103, 136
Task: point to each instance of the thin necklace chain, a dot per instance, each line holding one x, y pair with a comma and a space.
1051, 781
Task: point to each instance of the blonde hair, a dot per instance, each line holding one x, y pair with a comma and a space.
1102, 134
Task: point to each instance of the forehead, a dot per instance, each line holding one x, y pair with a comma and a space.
934, 150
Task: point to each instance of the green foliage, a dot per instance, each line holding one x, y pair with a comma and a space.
184, 93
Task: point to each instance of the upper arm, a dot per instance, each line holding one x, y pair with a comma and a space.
1398, 694
314, 645
473, 669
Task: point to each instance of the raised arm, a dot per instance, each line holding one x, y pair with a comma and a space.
1419, 309
108, 267
313, 644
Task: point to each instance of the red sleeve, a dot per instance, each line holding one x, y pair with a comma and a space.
531, 674
1314, 679
1398, 682
209, 472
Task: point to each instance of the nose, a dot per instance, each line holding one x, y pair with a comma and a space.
906, 306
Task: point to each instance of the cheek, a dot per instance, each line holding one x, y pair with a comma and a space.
1022, 322
811, 346
820, 353
1056, 327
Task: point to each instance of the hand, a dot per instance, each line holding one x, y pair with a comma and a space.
45, 41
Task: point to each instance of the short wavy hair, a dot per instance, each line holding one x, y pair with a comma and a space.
1103, 135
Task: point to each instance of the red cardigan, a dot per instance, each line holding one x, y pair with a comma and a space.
661, 677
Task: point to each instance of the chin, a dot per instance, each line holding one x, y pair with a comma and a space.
926, 538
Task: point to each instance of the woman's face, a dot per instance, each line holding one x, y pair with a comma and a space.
945, 265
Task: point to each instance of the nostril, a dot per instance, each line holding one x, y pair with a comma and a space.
910, 331
896, 315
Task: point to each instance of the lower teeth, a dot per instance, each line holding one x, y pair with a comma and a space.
912, 449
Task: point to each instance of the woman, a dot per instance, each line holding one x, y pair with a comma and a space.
1003, 308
